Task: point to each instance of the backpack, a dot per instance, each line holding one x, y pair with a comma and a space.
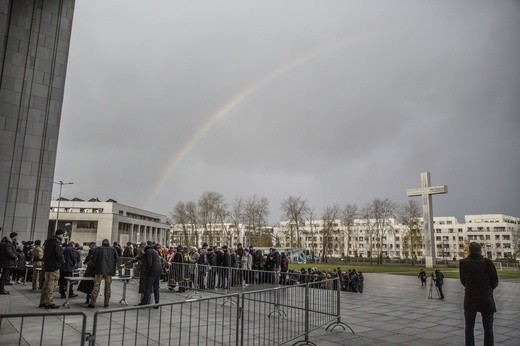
202, 259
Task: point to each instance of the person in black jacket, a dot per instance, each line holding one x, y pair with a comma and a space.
105, 260
479, 277
8, 258
52, 261
69, 255
151, 270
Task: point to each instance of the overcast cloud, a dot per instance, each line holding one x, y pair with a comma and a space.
335, 101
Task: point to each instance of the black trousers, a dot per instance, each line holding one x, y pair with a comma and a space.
62, 283
487, 324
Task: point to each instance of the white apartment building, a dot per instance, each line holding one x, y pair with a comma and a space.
499, 235
93, 220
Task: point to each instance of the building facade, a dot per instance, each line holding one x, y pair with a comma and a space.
93, 220
34, 44
499, 235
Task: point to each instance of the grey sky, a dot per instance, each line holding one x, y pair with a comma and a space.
336, 101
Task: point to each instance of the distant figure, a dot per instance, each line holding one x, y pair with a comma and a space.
439, 281
8, 258
37, 278
423, 277
361, 282
479, 277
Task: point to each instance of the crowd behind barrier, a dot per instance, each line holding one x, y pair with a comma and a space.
289, 295
272, 316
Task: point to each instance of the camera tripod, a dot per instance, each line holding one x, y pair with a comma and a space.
430, 294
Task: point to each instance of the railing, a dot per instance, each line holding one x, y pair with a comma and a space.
187, 276
55, 328
272, 316
205, 321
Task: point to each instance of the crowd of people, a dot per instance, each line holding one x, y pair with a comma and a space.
207, 267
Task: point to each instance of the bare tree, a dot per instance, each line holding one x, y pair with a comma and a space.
330, 215
409, 215
294, 210
210, 206
348, 216
314, 243
256, 212
179, 216
377, 215
237, 211
191, 211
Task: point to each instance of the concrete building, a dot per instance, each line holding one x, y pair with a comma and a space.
499, 235
93, 220
34, 44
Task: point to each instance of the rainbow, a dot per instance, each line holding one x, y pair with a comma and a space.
237, 100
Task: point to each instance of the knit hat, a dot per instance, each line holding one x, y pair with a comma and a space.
12, 235
60, 232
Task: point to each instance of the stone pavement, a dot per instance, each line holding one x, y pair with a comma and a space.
393, 310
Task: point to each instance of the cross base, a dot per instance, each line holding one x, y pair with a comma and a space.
429, 261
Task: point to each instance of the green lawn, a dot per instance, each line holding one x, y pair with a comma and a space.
398, 269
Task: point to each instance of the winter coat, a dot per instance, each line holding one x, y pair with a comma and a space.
37, 253
8, 256
129, 251
479, 277
86, 286
246, 262
69, 255
105, 259
20, 262
52, 254
152, 262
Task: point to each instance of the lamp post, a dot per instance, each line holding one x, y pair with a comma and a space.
60, 183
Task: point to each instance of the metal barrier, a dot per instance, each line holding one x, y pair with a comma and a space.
206, 321
286, 313
188, 276
55, 328
272, 316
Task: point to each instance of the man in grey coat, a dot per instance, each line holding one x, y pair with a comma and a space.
479, 277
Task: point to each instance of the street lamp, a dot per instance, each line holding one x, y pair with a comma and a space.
60, 183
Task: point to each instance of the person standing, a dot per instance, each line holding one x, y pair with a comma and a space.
37, 276
52, 261
479, 277
151, 270
439, 281
69, 255
105, 259
423, 276
8, 258
361, 281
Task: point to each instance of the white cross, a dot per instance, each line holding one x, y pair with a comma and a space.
426, 191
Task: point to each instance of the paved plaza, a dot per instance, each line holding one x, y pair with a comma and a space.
393, 310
